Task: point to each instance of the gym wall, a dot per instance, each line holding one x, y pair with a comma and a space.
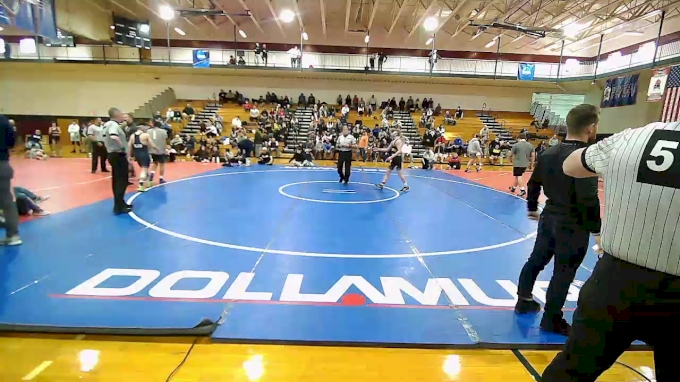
90, 89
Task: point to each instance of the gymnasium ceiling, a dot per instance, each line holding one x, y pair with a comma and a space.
399, 23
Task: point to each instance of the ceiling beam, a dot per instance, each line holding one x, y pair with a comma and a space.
322, 5
467, 23
422, 18
396, 18
117, 4
373, 10
252, 17
275, 16
99, 7
297, 13
451, 15
348, 8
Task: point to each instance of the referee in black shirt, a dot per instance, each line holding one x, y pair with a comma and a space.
634, 291
571, 214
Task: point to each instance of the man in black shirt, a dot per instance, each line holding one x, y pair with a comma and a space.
7, 203
571, 213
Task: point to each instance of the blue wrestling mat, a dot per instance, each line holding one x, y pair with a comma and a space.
281, 254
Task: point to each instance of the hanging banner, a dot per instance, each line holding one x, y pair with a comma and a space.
657, 85
620, 91
526, 71
201, 58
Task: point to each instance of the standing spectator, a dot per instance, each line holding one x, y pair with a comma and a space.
294, 53
372, 60
264, 52
54, 134
116, 144
74, 134
7, 203
257, 140
432, 58
381, 61
96, 134
459, 113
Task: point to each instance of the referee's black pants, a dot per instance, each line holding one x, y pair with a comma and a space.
119, 179
99, 154
567, 244
344, 165
620, 303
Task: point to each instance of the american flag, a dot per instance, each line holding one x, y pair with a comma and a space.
671, 99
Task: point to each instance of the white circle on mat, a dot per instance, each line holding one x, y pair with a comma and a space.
284, 193
321, 254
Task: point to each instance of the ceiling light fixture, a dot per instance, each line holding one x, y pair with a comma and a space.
634, 33
242, 33
429, 41
286, 15
367, 38
112, 27
517, 38
179, 31
431, 23
166, 12
144, 28
490, 44
2, 29
572, 30
305, 36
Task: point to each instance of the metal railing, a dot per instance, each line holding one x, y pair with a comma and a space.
347, 62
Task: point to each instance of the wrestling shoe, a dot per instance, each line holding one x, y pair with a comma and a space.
522, 193
162, 181
380, 186
527, 306
512, 189
151, 177
560, 327
141, 188
404, 189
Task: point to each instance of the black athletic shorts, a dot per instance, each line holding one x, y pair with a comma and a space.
396, 163
159, 158
144, 161
518, 171
55, 139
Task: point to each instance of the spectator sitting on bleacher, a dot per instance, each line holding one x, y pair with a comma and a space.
202, 155
230, 159
540, 148
458, 145
454, 161
554, 141
188, 112
438, 110
409, 104
348, 100
423, 121
240, 99
361, 108
459, 113
389, 112
222, 96
34, 141
448, 118
261, 100
393, 103
247, 105
345, 111
229, 96
428, 159
425, 104
402, 104
241, 61
416, 105
232, 60
190, 144
300, 159
373, 102
546, 124
441, 130
439, 143
429, 112
254, 114
236, 123
355, 102
210, 129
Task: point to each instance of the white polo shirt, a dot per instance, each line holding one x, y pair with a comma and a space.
641, 172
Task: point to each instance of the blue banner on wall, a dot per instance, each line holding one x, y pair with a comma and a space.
620, 91
201, 58
33, 18
526, 72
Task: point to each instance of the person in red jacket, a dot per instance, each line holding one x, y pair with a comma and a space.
454, 161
